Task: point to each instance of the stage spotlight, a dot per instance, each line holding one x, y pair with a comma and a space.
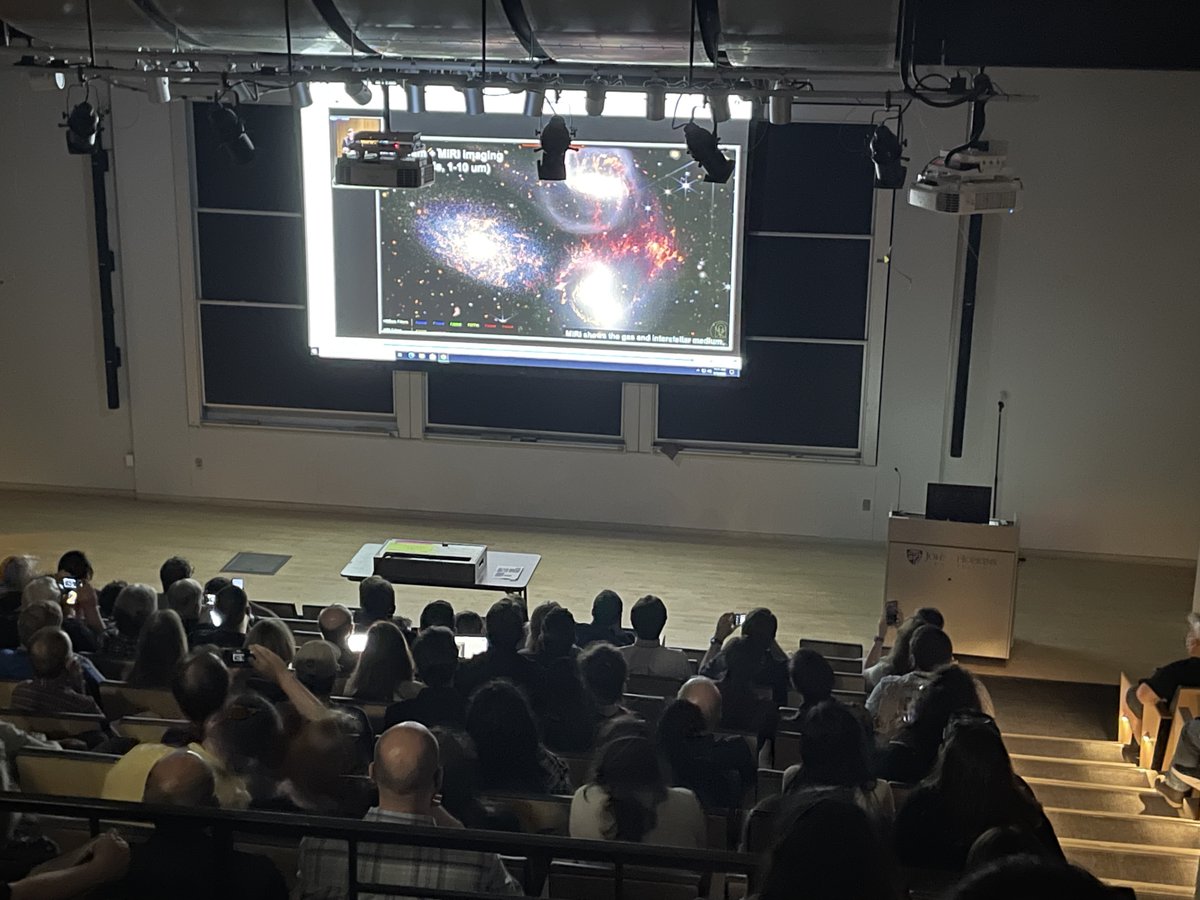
656, 100
159, 89
415, 92
886, 153
718, 104
594, 102
46, 81
535, 101
556, 141
779, 105
231, 133
301, 95
472, 93
359, 91
83, 124
702, 145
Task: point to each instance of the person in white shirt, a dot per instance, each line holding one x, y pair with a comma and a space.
627, 799
647, 655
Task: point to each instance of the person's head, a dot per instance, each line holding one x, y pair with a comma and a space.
133, 608
75, 564
468, 623
376, 599
233, 607
505, 733
106, 597
974, 773
161, 646
505, 626
320, 755
1031, 878
1193, 634
624, 725
952, 690
16, 572
703, 693
679, 723
407, 768
900, 655
648, 617
336, 624
603, 669
316, 666
181, 778
760, 627
536, 618
384, 664
200, 685
246, 735
743, 658
606, 609
930, 615
186, 597
628, 770
43, 589
172, 570
275, 635
1002, 842
216, 584
36, 616
49, 652
931, 649
811, 675
829, 849
833, 750
437, 612
436, 656
558, 632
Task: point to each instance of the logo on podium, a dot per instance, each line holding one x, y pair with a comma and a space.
914, 555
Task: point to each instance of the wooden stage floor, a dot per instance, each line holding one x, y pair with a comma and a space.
1077, 619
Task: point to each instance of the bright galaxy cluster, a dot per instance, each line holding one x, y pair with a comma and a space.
631, 242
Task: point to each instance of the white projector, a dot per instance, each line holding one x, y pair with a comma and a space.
974, 181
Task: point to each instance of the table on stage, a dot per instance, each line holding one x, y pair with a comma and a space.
362, 565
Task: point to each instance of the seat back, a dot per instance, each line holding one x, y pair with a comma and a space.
537, 813
146, 729
578, 764
845, 681
63, 773
62, 725
375, 711
119, 700
649, 708
836, 649
770, 783
596, 881
653, 686
281, 608
310, 611
787, 749
6, 691
303, 637
1185, 699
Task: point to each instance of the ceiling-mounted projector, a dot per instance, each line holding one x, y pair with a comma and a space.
383, 159
967, 182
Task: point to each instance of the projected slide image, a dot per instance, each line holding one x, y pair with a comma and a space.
346, 128
631, 249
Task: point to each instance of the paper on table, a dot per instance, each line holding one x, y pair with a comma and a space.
508, 573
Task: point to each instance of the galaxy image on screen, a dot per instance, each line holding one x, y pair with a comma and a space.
633, 245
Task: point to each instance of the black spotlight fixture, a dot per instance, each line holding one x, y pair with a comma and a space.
231, 132
83, 124
886, 154
556, 141
702, 145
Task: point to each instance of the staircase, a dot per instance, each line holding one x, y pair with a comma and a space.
1108, 817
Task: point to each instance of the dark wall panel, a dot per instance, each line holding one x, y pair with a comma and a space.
254, 258
533, 402
272, 181
806, 288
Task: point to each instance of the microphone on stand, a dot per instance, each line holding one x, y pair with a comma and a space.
899, 482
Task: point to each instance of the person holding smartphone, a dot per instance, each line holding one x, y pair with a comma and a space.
759, 627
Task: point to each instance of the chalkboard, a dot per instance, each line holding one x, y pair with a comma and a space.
529, 402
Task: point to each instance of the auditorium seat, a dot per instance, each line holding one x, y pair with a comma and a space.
303, 637
146, 729
649, 708
310, 612
119, 700
596, 881
1154, 734
842, 657
579, 765
63, 773
1186, 709
279, 607
653, 686
375, 711
537, 813
1125, 716
62, 725
770, 783
6, 690
787, 749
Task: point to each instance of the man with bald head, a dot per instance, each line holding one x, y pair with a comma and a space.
337, 624
721, 767
703, 693
186, 597
57, 683
407, 771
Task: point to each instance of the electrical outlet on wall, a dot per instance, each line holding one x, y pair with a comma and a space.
866, 505
199, 462
129, 460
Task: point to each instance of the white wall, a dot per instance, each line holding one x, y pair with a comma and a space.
1086, 316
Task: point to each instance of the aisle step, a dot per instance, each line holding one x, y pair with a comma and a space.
1122, 828
1154, 891
1087, 771
1101, 798
1118, 861
1063, 748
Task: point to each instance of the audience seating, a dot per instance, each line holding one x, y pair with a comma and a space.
1125, 716
649, 708
119, 700
579, 765
769, 783
850, 682
61, 725
1186, 708
303, 637
145, 729
375, 711
653, 686
310, 612
63, 773
597, 881
6, 690
1154, 734
787, 749
537, 813
279, 607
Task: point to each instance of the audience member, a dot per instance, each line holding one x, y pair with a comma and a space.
555, 635
230, 617
161, 646
911, 754
15, 573
606, 622
200, 685
812, 678
719, 769
376, 602
275, 635
15, 664
132, 610
186, 597
106, 598
533, 631
437, 612
647, 655
77, 873
1031, 878
215, 585
57, 683
408, 774
385, 670
603, 670
744, 705
174, 569
42, 589
468, 624
972, 789
627, 799
759, 629
511, 755
197, 863
890, 703
317, 765
81, 617
502, 659
1004, 841
1162, 684
316, 668
75, 564
435, 655
337, 624
899, 659
568, 712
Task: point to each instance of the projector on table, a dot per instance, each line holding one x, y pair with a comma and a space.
975, 180
417, 562
384, 159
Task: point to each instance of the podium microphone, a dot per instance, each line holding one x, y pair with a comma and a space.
996, 468
899, 481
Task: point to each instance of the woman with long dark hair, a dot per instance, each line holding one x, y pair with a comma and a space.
511, 756
161, 645
717, 768
385, 669
973, 789
899, 658
910, 756
627, 799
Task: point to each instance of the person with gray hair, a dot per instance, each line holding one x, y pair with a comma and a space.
57, 683
135, 604
41, 588
186, 597
15, 573
15, 663
1162, 684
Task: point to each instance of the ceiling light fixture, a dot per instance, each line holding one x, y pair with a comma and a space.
556, 141
594, 102
472, 93
414, 91
359, 91
301, 94
886, 154
702, 144
83, 124
231, 132
656, 99
779, 106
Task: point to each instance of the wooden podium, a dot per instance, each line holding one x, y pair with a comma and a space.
967, 571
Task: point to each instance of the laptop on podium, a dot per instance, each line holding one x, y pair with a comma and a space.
958, 503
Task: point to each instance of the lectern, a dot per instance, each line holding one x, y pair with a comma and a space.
967, 571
